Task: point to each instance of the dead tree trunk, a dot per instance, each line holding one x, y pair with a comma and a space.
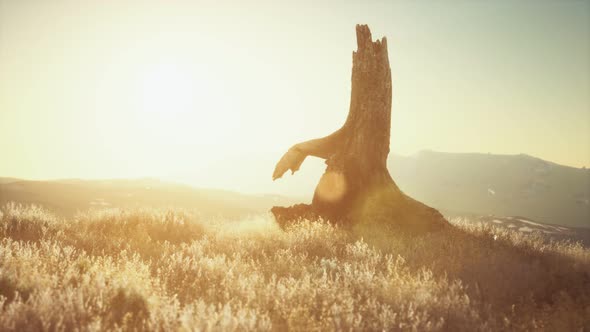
356, 188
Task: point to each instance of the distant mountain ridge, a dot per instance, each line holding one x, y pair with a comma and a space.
458, 184
504, 185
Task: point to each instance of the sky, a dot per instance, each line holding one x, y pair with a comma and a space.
196, 91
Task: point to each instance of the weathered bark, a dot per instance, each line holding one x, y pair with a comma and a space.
356, 188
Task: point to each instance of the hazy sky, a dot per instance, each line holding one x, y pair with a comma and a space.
190, 90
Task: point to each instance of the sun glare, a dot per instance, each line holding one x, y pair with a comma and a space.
167, 92
178, 105
166, 101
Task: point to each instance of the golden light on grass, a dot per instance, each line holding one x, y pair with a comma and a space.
169, 270
208, 93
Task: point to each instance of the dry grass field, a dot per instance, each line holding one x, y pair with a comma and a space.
170, 270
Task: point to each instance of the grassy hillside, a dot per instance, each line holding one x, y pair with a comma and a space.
163, 270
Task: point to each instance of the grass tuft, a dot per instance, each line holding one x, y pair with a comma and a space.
168, 270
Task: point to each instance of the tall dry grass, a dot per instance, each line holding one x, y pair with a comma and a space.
162, 270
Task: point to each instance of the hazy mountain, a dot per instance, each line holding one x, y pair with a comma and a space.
456, 183
461, 184
66, 197
505, 185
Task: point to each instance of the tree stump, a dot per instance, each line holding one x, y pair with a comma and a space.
356, 188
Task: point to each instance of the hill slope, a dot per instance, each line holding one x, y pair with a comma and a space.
160, 270
66, 197
455, 183
505, 185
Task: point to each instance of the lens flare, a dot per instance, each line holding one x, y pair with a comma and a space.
332, 186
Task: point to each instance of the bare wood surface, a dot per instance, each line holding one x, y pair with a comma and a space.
356, 188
